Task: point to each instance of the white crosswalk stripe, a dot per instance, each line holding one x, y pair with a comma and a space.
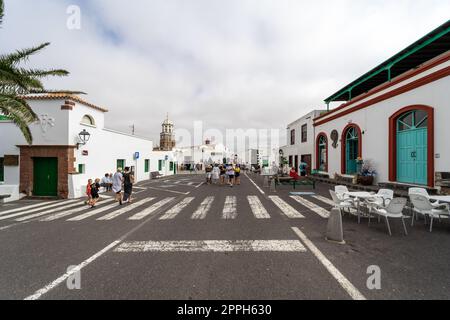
324, 200
61, 205
144, 213
312, 206
125, 209
213, 246
203, 209
40, 204
257, 208
40, 214
64, 214
285, 208
229, 209
172, 213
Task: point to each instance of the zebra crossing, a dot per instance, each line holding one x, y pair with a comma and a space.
229, 208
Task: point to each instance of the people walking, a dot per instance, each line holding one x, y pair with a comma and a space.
208, 171
88, 192
128, 180
222, 174
117, 185
95, 188
237, 175
230, 174
216, 174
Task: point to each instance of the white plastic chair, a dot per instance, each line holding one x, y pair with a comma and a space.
382, 198
341, 193
421, 191
423, 205
394, 210
339, 203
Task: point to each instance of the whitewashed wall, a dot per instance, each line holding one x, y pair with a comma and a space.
374, 122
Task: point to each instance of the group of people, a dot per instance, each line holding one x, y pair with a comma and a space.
117, 183
229, 174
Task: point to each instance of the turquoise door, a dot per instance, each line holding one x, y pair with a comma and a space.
412, 149
351, 150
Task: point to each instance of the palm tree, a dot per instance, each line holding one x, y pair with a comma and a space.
16, 81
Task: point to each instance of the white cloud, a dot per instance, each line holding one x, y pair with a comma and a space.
233, 64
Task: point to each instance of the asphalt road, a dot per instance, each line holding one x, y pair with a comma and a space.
182, 239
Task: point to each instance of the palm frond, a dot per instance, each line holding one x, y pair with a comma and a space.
2, 8
21, 55
18, 110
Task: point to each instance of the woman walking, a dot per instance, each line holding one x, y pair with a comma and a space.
222, 174
128, 180
237, 175
117, 185
230, 174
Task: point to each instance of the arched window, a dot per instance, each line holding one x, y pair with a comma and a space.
322, 152
88, 120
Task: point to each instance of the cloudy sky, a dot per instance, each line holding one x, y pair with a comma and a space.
232, 64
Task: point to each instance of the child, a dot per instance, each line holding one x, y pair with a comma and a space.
88, 192
95, 187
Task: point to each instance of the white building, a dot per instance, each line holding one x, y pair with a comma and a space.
300, 141
396, 115
206, 153
58, 164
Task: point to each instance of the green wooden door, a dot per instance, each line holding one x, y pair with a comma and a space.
45, 177
412, 148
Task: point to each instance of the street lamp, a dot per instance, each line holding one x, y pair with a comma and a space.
84, 138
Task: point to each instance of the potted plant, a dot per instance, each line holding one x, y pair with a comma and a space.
367, 173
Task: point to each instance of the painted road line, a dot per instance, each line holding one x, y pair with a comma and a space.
341, 279
312, 206
61, 214
257, 208
24, 208
59, 204
199, 185
39, 293
144, 213
165, 190
259, 189
229, 208
84, 215
213, 246
285, 208
124, 209
40, 214
64, 214
172, 213
70, 273
324, 200
203, 209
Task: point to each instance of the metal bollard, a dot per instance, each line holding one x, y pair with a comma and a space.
335, 232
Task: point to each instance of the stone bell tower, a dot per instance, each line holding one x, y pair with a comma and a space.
167, 137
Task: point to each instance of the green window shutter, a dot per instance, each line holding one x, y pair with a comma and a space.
160, 165
2, 172
121, 163
81, 168
171, 166
147, 166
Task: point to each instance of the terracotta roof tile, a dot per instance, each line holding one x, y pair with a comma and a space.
63, 96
